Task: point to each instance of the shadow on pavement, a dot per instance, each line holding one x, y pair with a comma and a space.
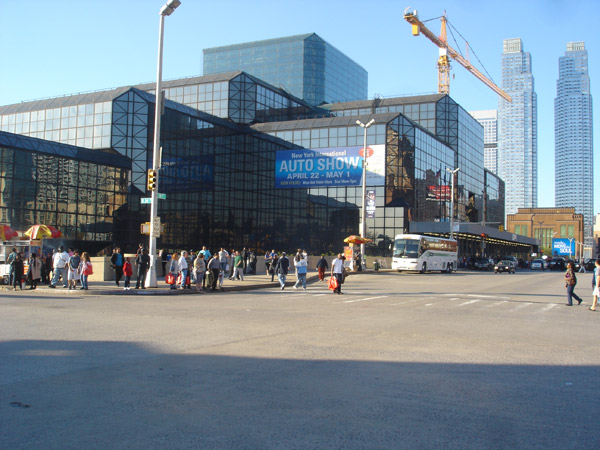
73, 394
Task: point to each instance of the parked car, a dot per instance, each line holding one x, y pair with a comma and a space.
557, 264
505, 266
484, 264
538, 264
590, 264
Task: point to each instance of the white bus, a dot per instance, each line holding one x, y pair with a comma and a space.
423, 253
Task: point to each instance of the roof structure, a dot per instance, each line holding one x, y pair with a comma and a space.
106, 157
323, 122
410, 100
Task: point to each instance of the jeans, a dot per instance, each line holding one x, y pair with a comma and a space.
571, 293
118, 274
301, 279
184, 273
223, 266
84, 280
127, 280
57, 274
141, 277
281, 277
200, 279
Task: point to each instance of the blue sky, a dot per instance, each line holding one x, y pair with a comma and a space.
59, 47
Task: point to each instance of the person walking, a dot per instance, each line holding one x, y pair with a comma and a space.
200, 271
35, 270
116, 260
337, 271
174, 268
214, 266
183, 270
17, 269
301, 270
163, 261
128, 272
322, 266
596, 285
9, 260
238, 267
283, 265
85, 269
59, 263
73, 270
571, 282
273, 264
223, 257
142, 260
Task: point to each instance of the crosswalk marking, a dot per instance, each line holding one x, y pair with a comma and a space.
521, 306
496, 303
548, 307
468, 303
365, 299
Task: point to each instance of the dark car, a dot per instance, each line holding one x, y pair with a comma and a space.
590, 264
484, 264
505, 266
557, 264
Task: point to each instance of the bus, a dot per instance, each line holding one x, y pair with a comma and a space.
413, 252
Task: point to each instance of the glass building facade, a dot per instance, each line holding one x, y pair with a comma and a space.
80, 191
517, 129
489, 120
305, 65
573, 136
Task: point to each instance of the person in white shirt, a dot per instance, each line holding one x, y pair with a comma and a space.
223, 258
59, 263
337, 271
183, 269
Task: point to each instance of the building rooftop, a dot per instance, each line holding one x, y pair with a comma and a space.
106, 157
409, 100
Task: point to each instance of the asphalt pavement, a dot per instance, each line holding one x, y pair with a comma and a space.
411, 361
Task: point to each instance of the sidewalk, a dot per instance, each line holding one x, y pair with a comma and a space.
251, 282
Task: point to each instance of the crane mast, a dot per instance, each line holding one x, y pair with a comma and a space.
446, 51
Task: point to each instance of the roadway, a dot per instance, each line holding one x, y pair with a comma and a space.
464, 360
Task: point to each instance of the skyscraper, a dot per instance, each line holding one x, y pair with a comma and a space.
489, 120
517, 129
573, 151
304, 65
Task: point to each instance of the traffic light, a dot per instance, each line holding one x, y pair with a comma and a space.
151, 184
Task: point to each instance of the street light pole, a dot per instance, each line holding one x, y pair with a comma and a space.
453, 172
363, 222
166, 10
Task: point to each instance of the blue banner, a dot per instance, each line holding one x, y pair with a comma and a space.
563, 246
318, 168
187, 174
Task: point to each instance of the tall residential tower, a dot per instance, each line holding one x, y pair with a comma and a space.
573, 153
517, 129
489, 120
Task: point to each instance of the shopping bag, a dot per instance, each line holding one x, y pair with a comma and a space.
333, 283
170, 278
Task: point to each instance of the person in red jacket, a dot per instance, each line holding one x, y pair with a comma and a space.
127, 271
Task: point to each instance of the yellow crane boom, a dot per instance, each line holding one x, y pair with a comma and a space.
445, 51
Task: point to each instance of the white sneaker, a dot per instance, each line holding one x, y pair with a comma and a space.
295, 287
124, 289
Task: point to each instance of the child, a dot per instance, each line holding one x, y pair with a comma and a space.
128, 272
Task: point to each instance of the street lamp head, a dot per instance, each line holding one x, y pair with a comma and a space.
365, 125
452, 171
169, 7
359, 123
371, 122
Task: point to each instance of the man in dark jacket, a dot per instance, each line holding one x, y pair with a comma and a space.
143, 262
281, 269
117, 261
322, 266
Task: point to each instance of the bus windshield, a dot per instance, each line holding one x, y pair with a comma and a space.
406, 248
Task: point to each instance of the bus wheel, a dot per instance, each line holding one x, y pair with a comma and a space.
423, 267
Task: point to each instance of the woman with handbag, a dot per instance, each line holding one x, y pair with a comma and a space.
85, 269
173, 270
571, 282
337, 271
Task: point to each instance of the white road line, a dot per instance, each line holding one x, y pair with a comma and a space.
480, 296
319, 295
468, 303
521, 306
365, 299
496, 303
548, 307
428, 304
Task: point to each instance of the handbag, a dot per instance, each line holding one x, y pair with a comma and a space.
170, 278
333, 283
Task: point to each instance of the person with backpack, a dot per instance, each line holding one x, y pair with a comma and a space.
85, 269
128, 272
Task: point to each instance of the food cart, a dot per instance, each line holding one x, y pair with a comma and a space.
25, 247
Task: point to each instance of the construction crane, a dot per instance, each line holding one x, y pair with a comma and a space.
446, 51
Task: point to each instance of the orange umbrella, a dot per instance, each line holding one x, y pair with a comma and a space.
7, 233
357, 239
42, 231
